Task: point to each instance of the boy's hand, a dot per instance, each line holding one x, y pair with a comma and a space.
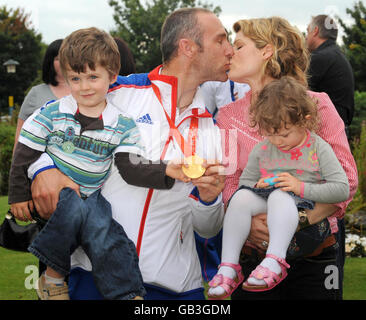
22, 210
288, 182
174, 170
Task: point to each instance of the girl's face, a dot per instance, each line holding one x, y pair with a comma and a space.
287, 138
248, 61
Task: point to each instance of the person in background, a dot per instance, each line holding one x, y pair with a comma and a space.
264, 50
53, 87
331, 72
128, 65
329, 69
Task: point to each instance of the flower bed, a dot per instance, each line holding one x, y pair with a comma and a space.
355, 245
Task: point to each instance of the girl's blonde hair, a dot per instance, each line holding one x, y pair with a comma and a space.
290, 55
283, 102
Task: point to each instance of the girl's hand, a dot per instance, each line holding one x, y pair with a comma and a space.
287, 182
21, 210
261, 184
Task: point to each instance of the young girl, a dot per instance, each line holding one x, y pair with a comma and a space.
292, 168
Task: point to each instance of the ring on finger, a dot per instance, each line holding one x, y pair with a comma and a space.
264, 244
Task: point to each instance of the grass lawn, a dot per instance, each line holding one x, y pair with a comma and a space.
13, 276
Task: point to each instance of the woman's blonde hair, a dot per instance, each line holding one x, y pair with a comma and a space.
283, 102
290, 55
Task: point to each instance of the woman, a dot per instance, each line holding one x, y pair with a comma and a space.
128, 65
267, 49
53, 87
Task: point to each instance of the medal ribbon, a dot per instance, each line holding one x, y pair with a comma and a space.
188, 147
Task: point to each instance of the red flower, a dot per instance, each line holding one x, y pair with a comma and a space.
296, 154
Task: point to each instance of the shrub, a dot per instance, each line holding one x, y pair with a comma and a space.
359, 114
359, 152
7, 134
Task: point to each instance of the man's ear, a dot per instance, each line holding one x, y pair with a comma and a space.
315, 31
187, 47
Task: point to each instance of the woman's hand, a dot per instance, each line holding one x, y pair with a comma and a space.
259, 235
22, 210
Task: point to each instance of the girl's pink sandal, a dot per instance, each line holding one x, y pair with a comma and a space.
228, 284
270, 278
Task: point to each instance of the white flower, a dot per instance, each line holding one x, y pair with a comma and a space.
352, 240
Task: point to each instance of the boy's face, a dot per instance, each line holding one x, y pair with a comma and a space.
89, 89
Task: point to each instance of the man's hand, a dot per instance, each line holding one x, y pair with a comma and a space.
211, 184
46, 189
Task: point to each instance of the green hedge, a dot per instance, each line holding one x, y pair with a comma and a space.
359, 115
7, 134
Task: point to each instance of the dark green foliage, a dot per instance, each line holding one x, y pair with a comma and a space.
355, 43
140, 25
359, 115
18, 41
7, 133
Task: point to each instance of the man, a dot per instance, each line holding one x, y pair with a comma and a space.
329, 69
170, 113
331, 72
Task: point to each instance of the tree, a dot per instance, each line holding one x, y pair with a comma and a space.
140, 26
355, 43
20, 42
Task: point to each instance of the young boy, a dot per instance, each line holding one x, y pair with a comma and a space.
81, 133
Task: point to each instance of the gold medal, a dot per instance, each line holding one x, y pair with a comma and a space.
195, 168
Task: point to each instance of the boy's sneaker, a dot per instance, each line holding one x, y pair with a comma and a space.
51, 291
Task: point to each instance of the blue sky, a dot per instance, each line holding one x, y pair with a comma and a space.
56, 19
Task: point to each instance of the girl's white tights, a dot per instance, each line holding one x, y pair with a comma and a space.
282, 221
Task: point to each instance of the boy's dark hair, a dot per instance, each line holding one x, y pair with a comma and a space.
90, 47
48, 70
283, 102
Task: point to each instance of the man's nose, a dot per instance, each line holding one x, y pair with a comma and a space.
229, 51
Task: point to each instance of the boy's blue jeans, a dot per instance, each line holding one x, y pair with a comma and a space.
88, 223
